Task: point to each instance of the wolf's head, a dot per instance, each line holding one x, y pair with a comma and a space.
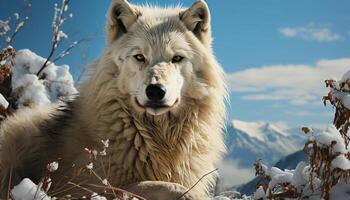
163, 56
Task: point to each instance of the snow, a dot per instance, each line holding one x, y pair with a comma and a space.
95, 196
4, 27
274, 171
340, 191
32, 91
19, 25
342, 93
256, 129
300, 174
346, 77
344, 97
281, 177
105, 182
340, 162
52, 166
27, 190
65, 7
16, 16
259, 193
105, 143
103, 153
60, 35
221, 198
3, 103
346, 100
325, 138
299, 178
90, 166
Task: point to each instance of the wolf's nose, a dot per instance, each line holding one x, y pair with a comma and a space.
155, 92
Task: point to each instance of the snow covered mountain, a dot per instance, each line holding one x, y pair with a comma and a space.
250, 141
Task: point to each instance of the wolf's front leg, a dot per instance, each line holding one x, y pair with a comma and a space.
159, 190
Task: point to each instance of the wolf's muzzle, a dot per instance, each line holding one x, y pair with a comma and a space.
155, 92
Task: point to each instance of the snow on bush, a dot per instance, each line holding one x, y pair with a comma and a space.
292, 184
27, 190
323, 178
340, 90
7, 56
339, 97
328, 172
3, 102
55, 82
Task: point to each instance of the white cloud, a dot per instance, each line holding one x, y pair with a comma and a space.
232, 174
295, 84
300, 113
278, 105
310, 32
303, 113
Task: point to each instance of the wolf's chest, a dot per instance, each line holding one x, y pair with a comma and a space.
135, 153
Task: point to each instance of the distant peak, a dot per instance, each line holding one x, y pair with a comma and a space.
258, 129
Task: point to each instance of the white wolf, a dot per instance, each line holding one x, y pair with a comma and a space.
156, 93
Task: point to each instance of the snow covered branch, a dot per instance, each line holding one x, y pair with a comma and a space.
19, 20
339, 97
60, 17
19, 84
7, 56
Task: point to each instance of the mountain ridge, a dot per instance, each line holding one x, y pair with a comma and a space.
250, 141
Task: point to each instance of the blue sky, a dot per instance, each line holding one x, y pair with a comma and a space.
276, 53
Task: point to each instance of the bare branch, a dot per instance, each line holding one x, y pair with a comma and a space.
58, 20
70, 47
197, 183
19, 23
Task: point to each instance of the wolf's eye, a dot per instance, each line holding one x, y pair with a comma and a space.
140, 58
177, 59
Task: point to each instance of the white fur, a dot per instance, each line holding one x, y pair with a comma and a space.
170, 148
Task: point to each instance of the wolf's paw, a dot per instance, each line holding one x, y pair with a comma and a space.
158, 190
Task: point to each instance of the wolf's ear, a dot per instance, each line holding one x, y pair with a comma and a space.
121, 16
197, 20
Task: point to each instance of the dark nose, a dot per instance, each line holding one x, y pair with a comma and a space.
155, 92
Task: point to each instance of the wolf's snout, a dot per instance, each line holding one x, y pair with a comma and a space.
155, 92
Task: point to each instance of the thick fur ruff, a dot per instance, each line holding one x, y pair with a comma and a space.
179, 146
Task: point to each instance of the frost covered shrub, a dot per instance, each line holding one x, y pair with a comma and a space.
21, 87
56, 81
33, 80
77, 187
339, 97
328, 164
7, 56
328, 171
27, 190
